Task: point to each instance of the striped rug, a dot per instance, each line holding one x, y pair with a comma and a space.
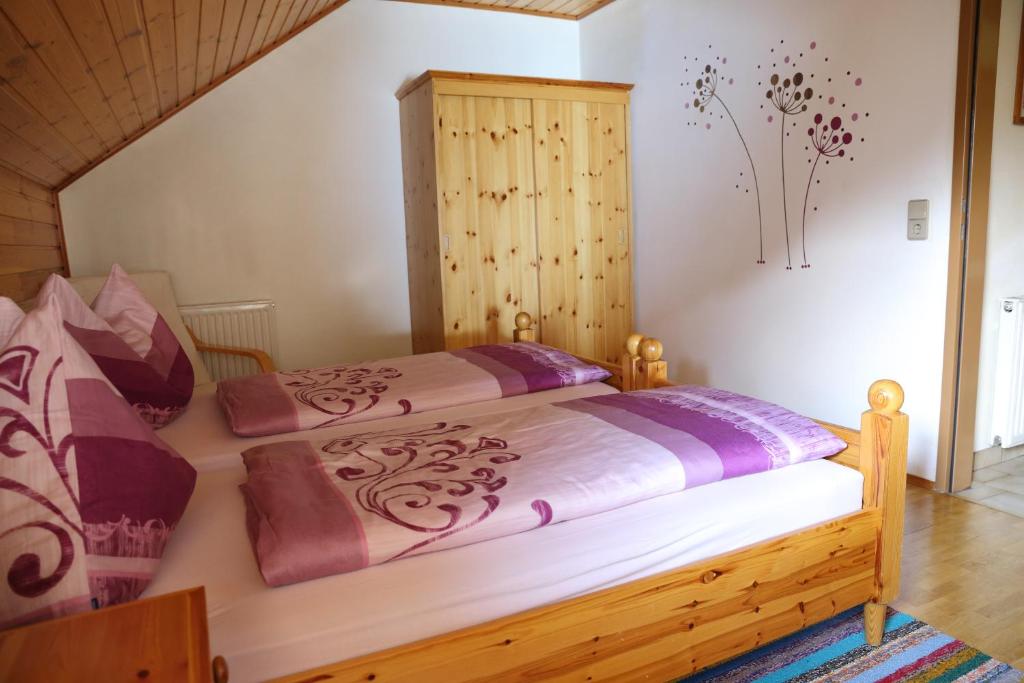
835, 650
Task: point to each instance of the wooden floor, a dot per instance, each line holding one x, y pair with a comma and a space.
963, 572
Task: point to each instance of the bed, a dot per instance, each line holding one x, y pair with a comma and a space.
651, 591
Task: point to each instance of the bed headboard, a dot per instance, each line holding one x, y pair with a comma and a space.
31, 236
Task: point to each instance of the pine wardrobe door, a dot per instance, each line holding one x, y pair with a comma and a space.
583, 230
487, 216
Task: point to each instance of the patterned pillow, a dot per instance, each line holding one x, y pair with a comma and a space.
89, 495
131, 343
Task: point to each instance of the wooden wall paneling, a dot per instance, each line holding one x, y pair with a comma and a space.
307, 10
246, 30
28, 79
128, 26
19, 155
292, 18
159, 17
186, 39
22, 122
263, 21
419, 172
558, 9
487, 216
277, 21
232, 18
44, 32
210, 15
22, 287
31, 244
80, 79
93, 37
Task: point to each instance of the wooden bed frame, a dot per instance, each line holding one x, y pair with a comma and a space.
680, 621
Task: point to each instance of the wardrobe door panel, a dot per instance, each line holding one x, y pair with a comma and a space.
583, 226
487, 217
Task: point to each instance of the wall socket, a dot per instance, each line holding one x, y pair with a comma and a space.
917, 219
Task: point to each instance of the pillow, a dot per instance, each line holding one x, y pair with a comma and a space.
89, 495
131, 343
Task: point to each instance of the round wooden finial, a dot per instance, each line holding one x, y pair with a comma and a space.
650, 349
633, 344
886, 396
523, 321
220, 670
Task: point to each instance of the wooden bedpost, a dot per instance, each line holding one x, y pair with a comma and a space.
631, 362
883, 462
652, 372
524, 331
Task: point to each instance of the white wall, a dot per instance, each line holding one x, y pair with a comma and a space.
1004, 267
872, 304
285, 182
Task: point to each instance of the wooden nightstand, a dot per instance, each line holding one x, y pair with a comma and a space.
157, 639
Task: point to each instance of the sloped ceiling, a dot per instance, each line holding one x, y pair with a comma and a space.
80, 79
562, 9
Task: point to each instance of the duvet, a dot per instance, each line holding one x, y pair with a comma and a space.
315, 509
282, 402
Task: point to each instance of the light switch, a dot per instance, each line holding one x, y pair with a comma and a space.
917, 219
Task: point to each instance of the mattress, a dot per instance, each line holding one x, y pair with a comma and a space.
265, 632
202, 435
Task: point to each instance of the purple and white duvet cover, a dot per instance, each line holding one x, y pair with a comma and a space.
315, 509
282, 402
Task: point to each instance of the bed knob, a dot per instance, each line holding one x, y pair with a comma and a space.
886, 396
523, 321
220, 670
651, 349
633, 344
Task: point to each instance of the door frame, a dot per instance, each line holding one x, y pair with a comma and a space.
977, 57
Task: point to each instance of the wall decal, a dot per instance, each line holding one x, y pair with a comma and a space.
789, 94
828, 139
705, 90
789, 99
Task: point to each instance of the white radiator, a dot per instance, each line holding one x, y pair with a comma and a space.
250, 324
1008, 413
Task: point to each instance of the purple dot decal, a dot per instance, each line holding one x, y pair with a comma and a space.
686, 106
725, 60
770, 118
786, 60
730, 81
813, 44
858, 81
708, 126
831, 100
855, 117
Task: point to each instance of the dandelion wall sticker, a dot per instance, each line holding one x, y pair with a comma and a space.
705, 90
789, 99
828, 138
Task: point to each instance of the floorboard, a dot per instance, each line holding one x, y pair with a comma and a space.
963, 572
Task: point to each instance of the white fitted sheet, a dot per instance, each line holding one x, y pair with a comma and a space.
265, 632
203, 437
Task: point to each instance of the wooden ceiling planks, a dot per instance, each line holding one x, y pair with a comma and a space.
561, 9
80, 79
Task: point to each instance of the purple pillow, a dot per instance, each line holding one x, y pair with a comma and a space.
131, 343
89, 495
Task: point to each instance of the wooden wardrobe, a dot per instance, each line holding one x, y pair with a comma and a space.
517, 198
